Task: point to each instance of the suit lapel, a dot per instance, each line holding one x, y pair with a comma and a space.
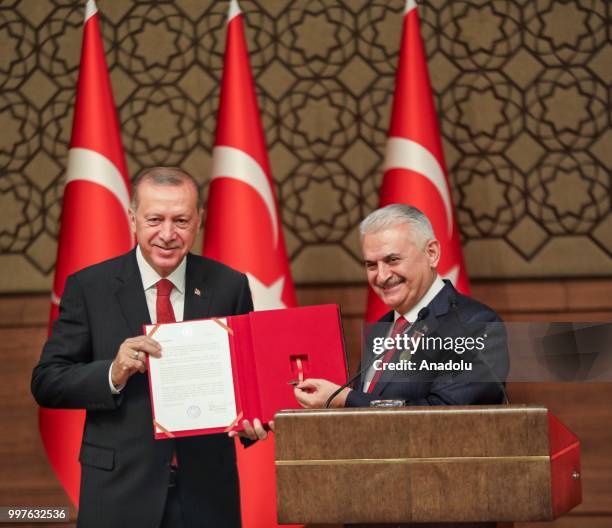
441, 303
379, 329
130, 295
198, 295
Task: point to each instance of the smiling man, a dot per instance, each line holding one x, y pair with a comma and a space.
95, 359
401, 255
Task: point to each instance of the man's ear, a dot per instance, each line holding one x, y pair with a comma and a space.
132, 217
201, 217
432, 250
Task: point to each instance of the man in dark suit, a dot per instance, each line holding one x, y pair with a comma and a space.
401, 255
95, 359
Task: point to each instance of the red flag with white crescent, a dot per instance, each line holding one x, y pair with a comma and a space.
94, 223
243, 230
415, 172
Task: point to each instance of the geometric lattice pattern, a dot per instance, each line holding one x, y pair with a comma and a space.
523, 90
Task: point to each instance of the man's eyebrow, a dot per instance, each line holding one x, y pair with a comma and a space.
386, 258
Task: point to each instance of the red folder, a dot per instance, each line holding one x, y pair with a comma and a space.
269, 349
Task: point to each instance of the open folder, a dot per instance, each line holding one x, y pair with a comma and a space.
216, 372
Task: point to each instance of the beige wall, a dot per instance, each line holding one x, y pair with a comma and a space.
522, 89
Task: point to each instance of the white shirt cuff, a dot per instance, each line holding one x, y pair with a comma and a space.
114, 390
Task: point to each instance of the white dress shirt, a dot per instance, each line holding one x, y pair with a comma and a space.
150, 278
411, 315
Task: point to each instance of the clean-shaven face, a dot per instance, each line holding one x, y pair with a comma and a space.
400, 265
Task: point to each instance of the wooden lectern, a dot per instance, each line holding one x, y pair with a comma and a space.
425, 464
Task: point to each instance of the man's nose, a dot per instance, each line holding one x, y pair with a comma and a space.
383, 271
166, 231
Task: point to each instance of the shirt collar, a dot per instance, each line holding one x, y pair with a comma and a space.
150, 277
412, 314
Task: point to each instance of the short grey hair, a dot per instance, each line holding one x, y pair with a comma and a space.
164, 176
398, 214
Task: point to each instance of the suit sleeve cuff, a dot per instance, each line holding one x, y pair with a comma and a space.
357, 398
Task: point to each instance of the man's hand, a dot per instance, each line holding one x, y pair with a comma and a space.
313, 394
132, 357
252, 432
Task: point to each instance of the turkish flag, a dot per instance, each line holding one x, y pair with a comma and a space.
243, 230
94, 223
415, 172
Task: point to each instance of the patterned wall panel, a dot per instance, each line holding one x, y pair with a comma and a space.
523, 89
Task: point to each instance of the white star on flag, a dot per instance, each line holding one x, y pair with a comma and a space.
452, 274
266, 297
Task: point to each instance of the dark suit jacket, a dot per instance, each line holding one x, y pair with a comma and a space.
125, 471
450, 315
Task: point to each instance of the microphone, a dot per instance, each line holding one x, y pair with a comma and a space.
455, 309
423, 314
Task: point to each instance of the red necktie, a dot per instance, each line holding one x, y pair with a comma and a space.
163, 306
165, 314
398, 328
